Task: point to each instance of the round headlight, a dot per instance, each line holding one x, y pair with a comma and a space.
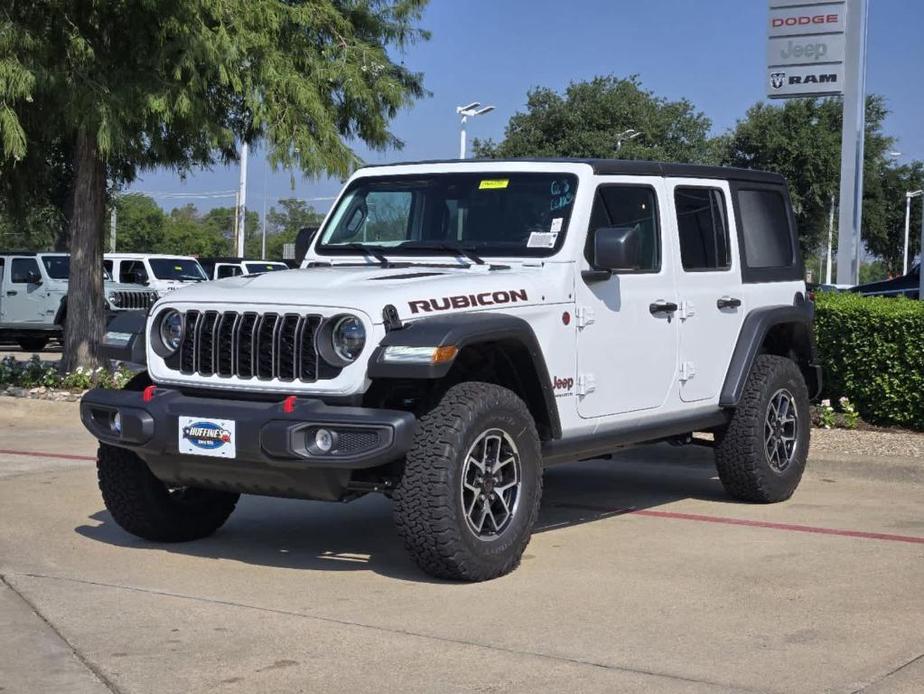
171, 330
113, 298
348, 338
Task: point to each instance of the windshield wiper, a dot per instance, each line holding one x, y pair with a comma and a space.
453, 248
369, 251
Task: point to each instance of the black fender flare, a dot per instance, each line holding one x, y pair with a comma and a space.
124, 339
61, 314
462, 330
757, 325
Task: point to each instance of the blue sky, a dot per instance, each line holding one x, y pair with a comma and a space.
709, 51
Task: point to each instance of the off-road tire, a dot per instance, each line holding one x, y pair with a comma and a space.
143, 505
428, 500
33, 344
740, 454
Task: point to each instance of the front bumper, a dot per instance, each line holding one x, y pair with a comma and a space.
275, 454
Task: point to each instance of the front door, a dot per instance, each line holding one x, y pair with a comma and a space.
709, 286
627, 334
24, 294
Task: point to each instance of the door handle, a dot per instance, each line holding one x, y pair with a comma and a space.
661, 306
12, 293
728, 302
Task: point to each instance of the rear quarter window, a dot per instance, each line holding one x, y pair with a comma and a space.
767, 234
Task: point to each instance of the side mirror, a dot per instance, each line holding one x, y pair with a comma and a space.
614, 249
303, 241
32, 277
139, 278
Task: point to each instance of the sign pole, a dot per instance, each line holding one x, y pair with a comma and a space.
852, 143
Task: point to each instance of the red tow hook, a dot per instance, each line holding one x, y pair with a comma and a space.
288, 405
148, 393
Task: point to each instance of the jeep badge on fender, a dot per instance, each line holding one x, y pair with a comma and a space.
426, 351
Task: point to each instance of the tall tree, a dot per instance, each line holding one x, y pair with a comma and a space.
884, 217
802, 140
140, 223
115, 87
587, 120
283, 224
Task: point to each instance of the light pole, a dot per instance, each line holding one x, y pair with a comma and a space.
242, 202
908, 196
625, 136
466, 112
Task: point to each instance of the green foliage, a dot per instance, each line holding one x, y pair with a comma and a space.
802, 140
586, 122
871, 351
36, 373
140, 224
873, 272
283, 224
884, 214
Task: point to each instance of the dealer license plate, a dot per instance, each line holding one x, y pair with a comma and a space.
211, 437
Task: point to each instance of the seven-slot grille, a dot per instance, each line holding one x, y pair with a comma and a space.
250, 345
133, 301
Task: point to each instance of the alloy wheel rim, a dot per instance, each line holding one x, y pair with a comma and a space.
490, 486
781, 430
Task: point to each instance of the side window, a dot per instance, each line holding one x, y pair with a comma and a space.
702, 225
629, 206
228, 271
132, 272
765, 228
22, 268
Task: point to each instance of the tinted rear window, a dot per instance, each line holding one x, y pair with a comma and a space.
765, 228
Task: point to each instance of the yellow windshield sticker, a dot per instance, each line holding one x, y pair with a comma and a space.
178, 268
494, 184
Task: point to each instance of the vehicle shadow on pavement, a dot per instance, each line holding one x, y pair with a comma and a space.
318, 536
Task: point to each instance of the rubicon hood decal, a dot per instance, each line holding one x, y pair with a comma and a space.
445, 303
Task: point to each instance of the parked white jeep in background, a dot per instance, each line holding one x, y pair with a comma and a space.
33, 297
455, 327
162, 273
222, 268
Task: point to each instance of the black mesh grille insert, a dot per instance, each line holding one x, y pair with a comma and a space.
250, 345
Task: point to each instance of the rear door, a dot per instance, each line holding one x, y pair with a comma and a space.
712, 303
627, 343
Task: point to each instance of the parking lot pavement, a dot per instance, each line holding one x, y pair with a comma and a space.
642, 576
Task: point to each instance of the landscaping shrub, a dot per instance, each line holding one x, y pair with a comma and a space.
872, 351
37, 373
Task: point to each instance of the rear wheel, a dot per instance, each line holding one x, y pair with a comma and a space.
144, 506
472, 483
761, 454
33, 344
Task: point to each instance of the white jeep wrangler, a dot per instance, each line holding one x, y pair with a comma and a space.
33, 297
457, 326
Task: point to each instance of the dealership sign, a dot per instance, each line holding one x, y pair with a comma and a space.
805, 48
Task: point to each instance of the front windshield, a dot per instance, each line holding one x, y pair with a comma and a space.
492, 214
58, 267
184, 269
257, 268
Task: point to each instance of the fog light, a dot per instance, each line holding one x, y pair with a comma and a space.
323, 440
117, 422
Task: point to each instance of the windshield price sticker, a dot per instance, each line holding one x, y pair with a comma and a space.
493, 184
542, 239
556, 225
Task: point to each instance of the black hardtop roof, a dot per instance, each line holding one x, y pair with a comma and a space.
626, 167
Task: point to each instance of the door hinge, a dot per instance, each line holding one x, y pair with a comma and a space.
586, 383
687, 371
687, 310
585, 316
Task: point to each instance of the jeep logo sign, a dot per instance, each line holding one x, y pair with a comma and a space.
801, 50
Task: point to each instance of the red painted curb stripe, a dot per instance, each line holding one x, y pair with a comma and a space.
37, 454
778, 526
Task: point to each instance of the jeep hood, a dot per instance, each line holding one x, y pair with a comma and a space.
414, 291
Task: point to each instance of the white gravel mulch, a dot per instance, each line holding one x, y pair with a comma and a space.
867, 442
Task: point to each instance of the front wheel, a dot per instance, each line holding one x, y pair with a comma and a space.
761, 454
144, 506
472, 482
